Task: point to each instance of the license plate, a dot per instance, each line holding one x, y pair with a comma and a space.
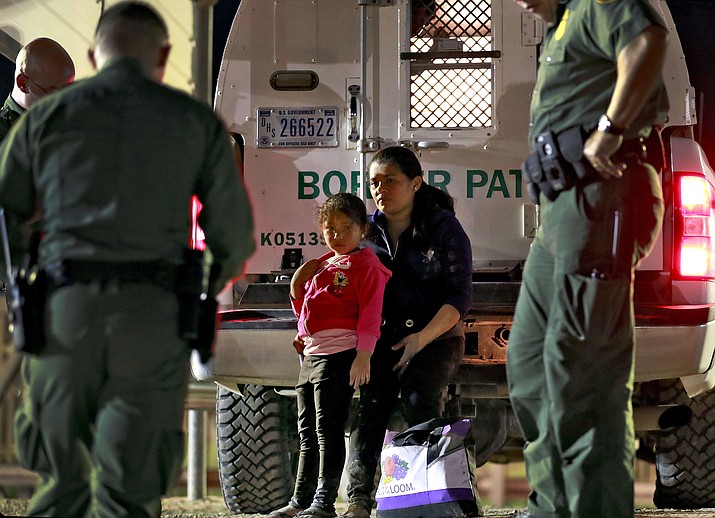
297, 127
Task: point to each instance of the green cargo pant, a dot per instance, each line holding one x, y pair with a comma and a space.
571, 348
103, 408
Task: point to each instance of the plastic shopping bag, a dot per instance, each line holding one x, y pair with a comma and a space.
426, 473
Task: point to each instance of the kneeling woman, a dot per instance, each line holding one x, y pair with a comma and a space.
417, 236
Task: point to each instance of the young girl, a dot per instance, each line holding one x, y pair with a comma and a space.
338, 301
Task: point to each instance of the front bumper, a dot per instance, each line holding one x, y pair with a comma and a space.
252, 348
676, 342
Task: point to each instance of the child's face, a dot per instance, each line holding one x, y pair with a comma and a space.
341, 233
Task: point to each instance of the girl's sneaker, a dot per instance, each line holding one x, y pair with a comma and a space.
316, 512
285, 512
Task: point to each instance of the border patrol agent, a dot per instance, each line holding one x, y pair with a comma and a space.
114, 161
9, 113
42, 66
570, 356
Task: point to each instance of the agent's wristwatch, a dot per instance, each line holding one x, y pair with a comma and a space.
606, 126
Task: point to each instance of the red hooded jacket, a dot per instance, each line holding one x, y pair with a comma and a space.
345, 293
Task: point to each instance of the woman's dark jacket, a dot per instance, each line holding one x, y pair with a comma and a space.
427, 272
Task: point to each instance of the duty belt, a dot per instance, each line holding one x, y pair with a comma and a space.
557, 162
70, 271
634, 148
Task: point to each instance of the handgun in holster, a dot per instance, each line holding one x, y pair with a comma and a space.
197, 307
26, 294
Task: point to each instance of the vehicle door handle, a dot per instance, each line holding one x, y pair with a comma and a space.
354, 91
432, 144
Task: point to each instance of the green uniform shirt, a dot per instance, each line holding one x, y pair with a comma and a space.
577, 69
9, 113
114, 161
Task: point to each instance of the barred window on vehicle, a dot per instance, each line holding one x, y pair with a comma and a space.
450, 63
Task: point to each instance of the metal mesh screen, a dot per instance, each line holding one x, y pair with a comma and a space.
454, 91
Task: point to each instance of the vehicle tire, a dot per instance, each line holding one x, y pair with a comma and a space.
685, 456
257, 444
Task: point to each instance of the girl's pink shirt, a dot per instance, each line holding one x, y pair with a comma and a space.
344, 297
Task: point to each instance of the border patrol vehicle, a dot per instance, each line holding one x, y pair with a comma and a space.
310, 89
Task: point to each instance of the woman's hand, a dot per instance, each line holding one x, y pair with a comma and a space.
443, 321
410, 346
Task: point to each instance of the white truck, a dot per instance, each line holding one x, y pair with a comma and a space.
310, 89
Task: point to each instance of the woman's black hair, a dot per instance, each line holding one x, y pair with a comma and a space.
428, 199
349, 204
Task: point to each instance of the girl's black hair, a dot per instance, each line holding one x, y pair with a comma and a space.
428, 199
349, 204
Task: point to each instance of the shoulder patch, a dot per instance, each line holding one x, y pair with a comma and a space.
561, 29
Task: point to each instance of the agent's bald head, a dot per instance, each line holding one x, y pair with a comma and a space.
41, 67
134, 30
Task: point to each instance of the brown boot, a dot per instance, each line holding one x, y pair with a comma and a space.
356, 510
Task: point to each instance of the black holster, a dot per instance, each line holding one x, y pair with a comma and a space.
26, 298
197, 307
556, 163
26, 309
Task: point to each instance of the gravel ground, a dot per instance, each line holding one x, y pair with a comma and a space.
213, 506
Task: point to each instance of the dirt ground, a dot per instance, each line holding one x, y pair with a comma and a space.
213, 507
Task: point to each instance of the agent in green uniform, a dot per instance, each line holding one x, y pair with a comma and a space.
570, 356
114, 161
41, 67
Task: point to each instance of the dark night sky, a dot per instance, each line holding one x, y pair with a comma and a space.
7, 70
695, 20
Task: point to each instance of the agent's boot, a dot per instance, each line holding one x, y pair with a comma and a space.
323, 505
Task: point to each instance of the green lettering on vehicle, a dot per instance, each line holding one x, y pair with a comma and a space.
438, 178
498, 184
475, 178
308, 185
311, 186
342, 183
354, 181
516, 173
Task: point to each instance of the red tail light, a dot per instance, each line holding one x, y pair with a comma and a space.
196, 241
695, 252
